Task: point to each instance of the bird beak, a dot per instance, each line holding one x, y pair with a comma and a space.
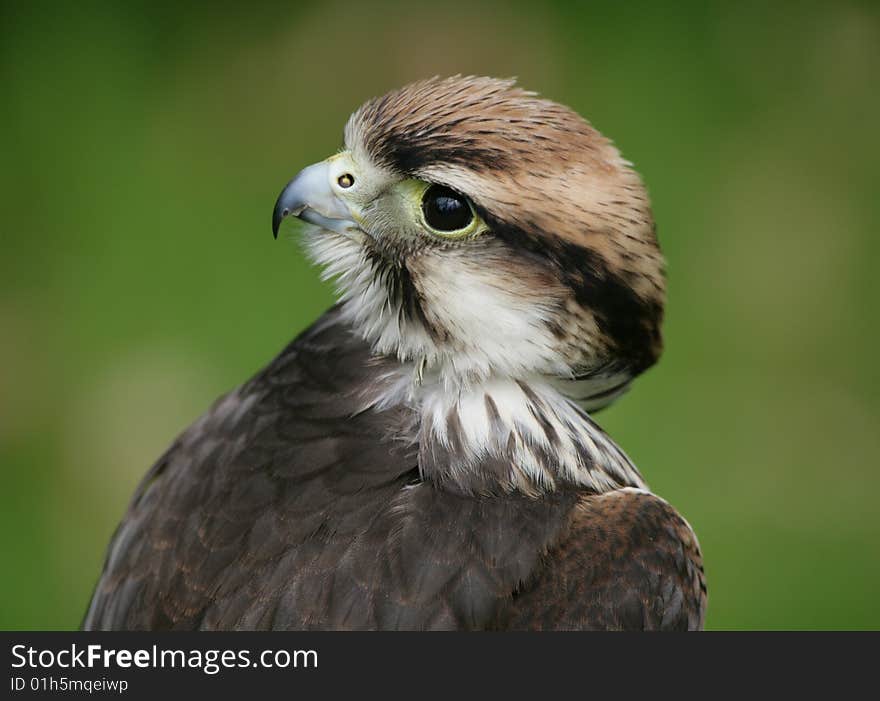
311, 197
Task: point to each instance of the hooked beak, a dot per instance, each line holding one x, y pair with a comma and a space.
310, 197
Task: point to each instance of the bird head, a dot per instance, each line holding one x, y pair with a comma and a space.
477, 229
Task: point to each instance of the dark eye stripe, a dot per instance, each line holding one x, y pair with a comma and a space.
446, 210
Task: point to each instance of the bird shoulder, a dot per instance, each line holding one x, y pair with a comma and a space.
628, 561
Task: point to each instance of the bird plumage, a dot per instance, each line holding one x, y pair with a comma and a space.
421, 457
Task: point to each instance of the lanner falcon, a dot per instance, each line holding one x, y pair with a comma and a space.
423, 456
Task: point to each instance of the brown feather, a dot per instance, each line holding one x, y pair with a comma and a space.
627, 562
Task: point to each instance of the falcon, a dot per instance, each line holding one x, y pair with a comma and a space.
423, 456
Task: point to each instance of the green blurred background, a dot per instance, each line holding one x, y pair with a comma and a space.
142, 151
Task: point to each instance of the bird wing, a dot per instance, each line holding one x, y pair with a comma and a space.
265, 493
626, 561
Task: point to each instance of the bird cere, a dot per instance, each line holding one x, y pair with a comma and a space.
423, 456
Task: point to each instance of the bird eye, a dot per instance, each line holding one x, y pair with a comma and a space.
445, 210
346, 180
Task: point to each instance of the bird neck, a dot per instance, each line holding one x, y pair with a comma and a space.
506, 434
